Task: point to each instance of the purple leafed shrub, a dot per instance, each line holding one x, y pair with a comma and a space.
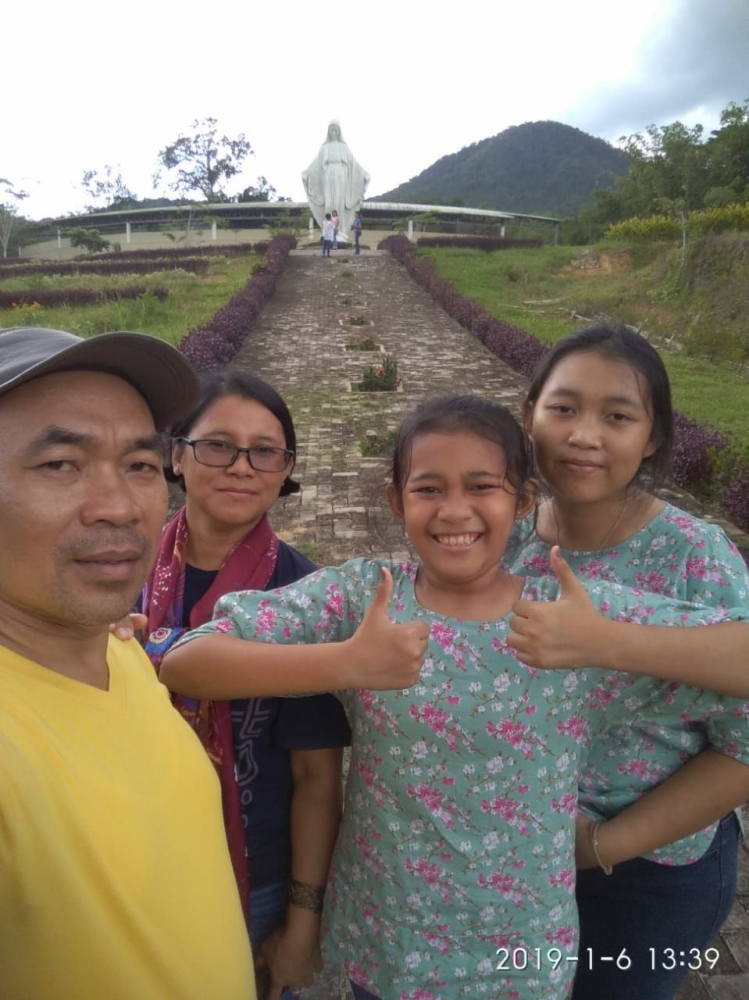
478, 242
171, 253
735, 499
520, 349
692, 462
49, 298
212, 346
99, 266
694, 445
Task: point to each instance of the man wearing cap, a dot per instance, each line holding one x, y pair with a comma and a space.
115, 879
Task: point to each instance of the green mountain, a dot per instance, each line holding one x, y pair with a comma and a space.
542, 168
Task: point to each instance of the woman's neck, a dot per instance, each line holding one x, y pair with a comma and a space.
592, 527
208, 542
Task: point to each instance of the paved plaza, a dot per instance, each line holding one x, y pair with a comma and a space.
299, 345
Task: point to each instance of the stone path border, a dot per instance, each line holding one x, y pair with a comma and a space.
298, 344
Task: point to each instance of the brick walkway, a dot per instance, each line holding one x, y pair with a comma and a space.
298, 345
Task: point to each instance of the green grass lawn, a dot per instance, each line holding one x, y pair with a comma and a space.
193, 299
538, 291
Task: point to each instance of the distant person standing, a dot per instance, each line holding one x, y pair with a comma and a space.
328, 233
356, 226
336, 225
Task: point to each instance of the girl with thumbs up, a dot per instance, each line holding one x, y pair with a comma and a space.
598, 414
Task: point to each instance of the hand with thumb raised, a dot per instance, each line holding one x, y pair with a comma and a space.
562, 633
385, 655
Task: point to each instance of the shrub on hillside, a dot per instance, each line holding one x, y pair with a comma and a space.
730, 218
212, 345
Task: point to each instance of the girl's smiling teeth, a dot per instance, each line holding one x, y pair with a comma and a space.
455, 541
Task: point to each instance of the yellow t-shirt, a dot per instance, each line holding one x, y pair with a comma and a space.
115, 879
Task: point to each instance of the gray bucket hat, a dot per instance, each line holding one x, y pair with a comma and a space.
158, 371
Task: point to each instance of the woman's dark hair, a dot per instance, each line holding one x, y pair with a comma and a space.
475, 414
218, 386
620, 343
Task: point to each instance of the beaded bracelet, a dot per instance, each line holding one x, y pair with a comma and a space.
305, 896
593, 832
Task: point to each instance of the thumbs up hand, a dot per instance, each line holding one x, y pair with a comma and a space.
386, 656
565, 633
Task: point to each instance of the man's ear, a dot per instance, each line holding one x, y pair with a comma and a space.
528, 499
394, 499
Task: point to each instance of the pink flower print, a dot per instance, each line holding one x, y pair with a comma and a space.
453, 699
567, 804
564, 936
653, 582
540, 564
505, 885
605, 607
575, 727
435, 718
506, 808
443, 634
695, 569
638, 768
565, 878
224, 625
418, 994
593, 569
334, 604
286, 632
515, 734
428, 872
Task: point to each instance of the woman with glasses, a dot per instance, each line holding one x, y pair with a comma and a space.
279, 760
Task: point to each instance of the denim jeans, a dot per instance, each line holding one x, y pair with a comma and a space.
267, 911
361, 994
326, 245
356, 251
647, 908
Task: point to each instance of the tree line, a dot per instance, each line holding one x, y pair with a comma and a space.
674, 170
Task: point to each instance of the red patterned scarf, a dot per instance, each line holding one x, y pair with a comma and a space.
249, 566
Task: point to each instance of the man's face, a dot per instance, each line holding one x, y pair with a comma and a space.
82, 499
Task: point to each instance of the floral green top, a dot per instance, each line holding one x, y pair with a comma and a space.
453, 876
679, 557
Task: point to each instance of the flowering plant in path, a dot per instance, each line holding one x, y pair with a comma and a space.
212, 345
695, 446
380, 378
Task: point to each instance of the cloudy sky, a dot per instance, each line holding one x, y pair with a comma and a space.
87, 84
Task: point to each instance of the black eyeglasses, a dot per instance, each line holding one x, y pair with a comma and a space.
222, 454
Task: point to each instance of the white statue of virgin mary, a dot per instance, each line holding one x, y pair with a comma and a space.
335, 181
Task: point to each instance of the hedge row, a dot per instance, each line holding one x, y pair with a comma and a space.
198, 265
49, 298
212, 345
695, 446
171, 253
487, 243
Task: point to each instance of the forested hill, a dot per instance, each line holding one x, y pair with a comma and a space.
542, 168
